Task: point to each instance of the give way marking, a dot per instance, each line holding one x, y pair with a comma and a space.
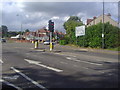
34, 82
44, 66
10, 84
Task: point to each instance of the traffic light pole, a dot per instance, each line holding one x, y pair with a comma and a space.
51, 29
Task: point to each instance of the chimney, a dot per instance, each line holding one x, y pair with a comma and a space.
94, 17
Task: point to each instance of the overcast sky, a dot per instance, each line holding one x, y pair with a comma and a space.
35, 15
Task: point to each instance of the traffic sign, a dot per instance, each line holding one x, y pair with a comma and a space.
80, 31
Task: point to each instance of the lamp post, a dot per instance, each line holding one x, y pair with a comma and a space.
20, 27
103, 42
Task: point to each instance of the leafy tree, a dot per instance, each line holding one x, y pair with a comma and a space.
70, 25
27, 30
93, 36
12, 33
4, 31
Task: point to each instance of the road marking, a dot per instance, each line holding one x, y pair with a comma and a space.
1, 61
10, 84
75, 65
63, 62
101, 71
73, 59
38, 63
34, 82
65, 54
69, 58
11, 77
32, 61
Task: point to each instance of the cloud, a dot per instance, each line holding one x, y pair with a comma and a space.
55, 17
35, 15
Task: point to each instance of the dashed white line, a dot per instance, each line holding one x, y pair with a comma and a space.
75, 65
69, 58
10, 84
73, 59
63, 62
34, 82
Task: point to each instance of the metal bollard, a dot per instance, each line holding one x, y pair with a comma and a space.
51, 46
36, 44
32, 41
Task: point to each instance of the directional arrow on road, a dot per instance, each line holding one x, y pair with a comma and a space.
31, 61
38, 63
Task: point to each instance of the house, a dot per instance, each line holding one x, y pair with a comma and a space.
96, 20
29, 35
42, 34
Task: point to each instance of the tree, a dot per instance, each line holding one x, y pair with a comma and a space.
4, 31
93, 36
70, 25
27, 30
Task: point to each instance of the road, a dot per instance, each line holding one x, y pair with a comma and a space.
24, 67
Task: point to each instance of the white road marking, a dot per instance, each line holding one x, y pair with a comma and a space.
32, 61
75, 65
85, 67
65, 54
63, 62
38, 63
73, 59
1, 61
101, 71
10, 84
34, 82
69, 58
11, 77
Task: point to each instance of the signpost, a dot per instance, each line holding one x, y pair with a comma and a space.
79, 31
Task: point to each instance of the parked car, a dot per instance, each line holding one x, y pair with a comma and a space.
47, 42
2, 40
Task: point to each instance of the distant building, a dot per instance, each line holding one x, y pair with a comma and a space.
96, 20
42, 34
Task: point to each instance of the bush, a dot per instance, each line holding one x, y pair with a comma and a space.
93, 36
63, 42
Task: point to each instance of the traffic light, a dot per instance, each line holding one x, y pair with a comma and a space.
51, 26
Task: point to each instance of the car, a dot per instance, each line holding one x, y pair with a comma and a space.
2, 40
47, 42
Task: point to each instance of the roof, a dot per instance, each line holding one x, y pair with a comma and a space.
42, 30
89, 20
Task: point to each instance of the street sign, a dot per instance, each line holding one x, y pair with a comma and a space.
79, 31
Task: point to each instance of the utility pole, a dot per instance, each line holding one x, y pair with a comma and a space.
20, 26
103, 39
21, 30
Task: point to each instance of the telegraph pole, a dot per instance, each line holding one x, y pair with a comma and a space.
21, 30
103, 39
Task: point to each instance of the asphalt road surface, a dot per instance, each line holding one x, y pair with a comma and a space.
24, 67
